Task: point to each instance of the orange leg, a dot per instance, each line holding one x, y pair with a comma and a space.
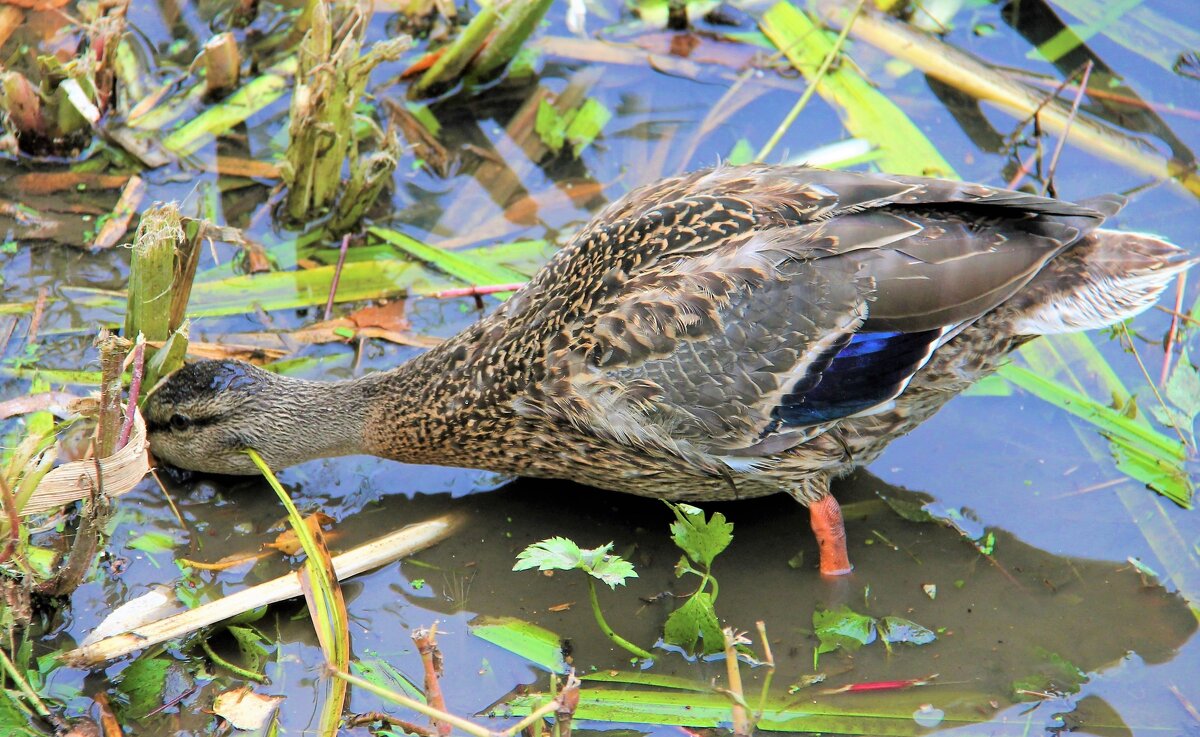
826, 517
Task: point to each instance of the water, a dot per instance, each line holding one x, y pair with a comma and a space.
1064, 520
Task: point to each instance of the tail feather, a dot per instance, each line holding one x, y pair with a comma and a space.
1105, 278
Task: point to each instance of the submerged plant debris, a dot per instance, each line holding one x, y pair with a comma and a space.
328, 188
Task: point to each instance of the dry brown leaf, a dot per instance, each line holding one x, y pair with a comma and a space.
70, 482
287, 542
49, 182
561, 607
35, 4
224, 564
389, 316
34, 403
116, 226
245, 709
238, 167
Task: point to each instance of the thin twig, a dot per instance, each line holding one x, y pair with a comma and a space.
465, 725
1169, 344
1137, 357
812, 86
1182, 316
478, 290
135, 388
1048, 186
1024, 170
337, 275
371, 717
1187, 705
35, 321
1044, 83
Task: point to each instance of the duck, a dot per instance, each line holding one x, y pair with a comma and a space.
725, 334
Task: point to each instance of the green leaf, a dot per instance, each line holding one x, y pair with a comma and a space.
741, 153
550, 126
14, 720
143, 684
842, 628
701, 539
1054, 675
381, 673
612, 570
586, 124
552, 554
589, 557
883, 714
536, 644
899, 629
153, 542
694, 620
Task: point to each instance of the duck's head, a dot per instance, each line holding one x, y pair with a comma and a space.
205, 416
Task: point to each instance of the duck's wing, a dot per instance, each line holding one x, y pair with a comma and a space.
746, 315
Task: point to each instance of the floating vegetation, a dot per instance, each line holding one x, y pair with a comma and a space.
161, 611
331, 78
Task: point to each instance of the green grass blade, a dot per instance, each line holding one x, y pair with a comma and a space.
865, 111
471, 271
252, 97
536, 644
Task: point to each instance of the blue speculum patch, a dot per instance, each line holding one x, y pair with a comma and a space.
856, 374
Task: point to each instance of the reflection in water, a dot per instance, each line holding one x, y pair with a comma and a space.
1005, 621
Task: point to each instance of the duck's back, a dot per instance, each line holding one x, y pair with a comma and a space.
733, 320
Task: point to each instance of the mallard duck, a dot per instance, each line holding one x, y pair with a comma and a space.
730, 333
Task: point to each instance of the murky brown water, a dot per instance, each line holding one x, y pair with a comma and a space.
1065, 522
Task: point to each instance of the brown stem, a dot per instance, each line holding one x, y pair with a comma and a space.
1062, 140
568, 701
337, 275
431, 658
135, 388
14, 521
741, 716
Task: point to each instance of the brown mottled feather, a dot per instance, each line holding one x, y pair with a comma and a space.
652, 353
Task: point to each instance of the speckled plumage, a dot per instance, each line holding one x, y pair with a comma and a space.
730, 333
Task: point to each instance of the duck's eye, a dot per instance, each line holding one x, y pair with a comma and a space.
180, 423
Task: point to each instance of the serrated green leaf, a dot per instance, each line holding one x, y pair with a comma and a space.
589, 557
899, 629
842, 628
555, 553
694, 620
613, 570
701, 539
